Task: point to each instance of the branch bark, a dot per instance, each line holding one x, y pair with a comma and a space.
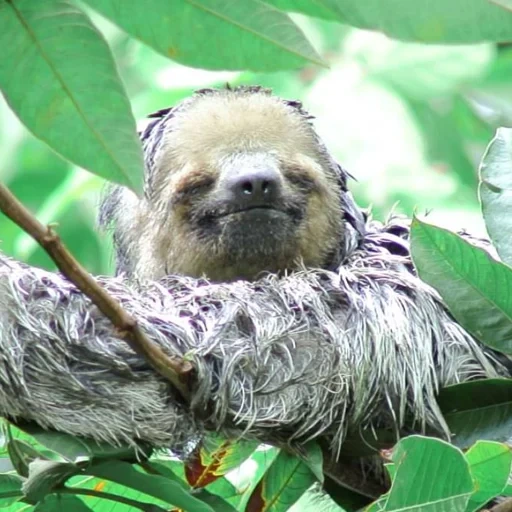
177, 371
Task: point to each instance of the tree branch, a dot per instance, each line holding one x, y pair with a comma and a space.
177, 371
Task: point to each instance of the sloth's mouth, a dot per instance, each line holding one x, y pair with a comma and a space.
256, 209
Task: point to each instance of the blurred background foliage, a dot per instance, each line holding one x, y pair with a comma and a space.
409, 121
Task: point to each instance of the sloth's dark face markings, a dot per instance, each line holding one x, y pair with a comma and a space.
253, 209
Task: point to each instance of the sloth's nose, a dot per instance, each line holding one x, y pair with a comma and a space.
255, 187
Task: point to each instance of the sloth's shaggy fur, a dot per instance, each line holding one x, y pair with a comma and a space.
316, 354
320, 353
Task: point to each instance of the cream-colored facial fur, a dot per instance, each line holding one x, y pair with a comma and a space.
201, 139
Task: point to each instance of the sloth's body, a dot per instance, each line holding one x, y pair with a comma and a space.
237, 184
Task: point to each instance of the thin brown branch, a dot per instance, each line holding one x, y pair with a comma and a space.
177, 371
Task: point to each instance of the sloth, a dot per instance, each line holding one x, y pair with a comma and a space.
237, 184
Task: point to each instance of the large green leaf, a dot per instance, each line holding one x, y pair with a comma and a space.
287, 479
58, 75
489, 464
432, 21
478, 410
62, 503
496, 192
430, 475
475, 287
214, 34
10, 490
155, 485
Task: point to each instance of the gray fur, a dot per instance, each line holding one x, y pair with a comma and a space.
316, 354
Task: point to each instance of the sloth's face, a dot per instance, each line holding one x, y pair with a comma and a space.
246, 193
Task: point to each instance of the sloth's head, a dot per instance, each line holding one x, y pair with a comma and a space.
237, 183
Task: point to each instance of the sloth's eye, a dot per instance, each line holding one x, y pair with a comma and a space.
192, 188
300, 179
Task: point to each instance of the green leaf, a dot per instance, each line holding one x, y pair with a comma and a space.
21, 455
10, 490
431, 475
215, 457
478, 410
489, 464
157, 486
475, 287
326, 9
496, 192
214, 34
432, 21
62, 503
314, 459
79, 106
218, 503
103, 488
75, 449
287, 479
45, 476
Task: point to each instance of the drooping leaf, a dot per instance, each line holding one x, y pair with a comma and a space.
496, 192
314, 459
62, 503
476, 410
431, 475
45, 476
79, 107
10, 490
21, 455
435, 21
75, 449
214, 458
214, 34
101, 486
475, 287
489, 464
155, 485
287, 479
